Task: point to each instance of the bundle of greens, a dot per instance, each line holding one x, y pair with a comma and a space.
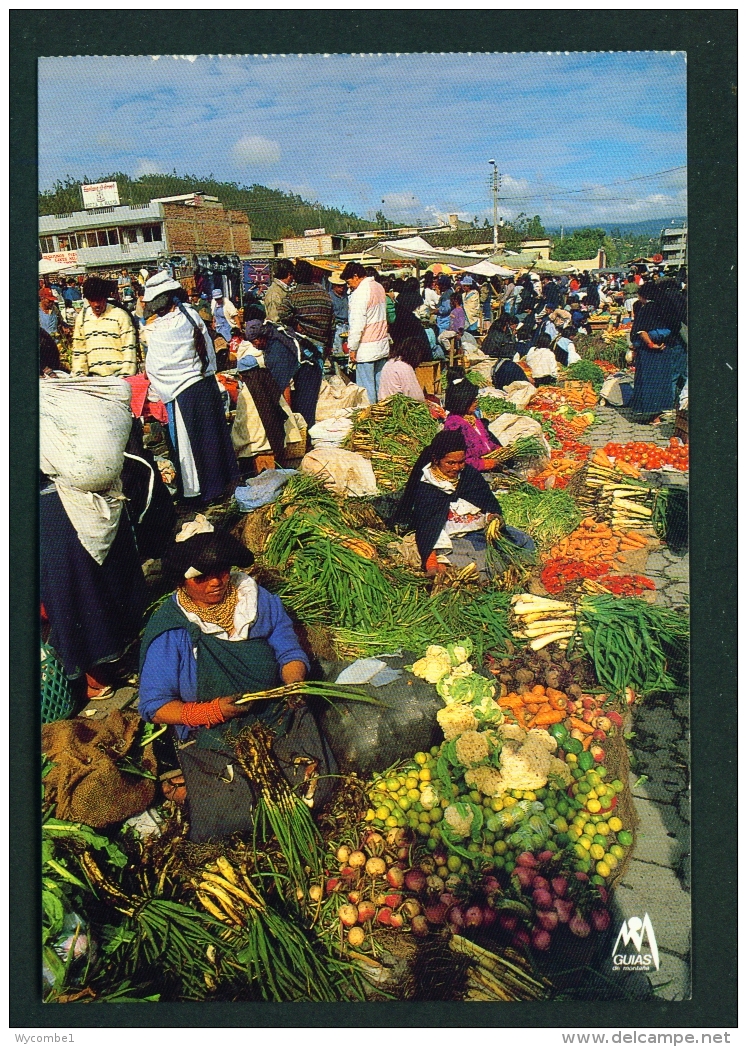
585, 371
392, 433
545, 515
634, 644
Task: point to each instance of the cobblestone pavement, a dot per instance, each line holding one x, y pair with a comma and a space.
657, 880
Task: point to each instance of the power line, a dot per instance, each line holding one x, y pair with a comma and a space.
558, 191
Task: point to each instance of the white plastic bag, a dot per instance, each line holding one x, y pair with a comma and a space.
84, 425
338, 399
330, 432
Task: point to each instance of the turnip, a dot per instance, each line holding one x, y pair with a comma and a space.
507, 921
348, 914
380, 898
393, 900
356, 936
435, 883
332, 884
357, 859
395, 837
526, 858
473, 916
419, 927
374, 843
415, 880
427, 866
587, 715
396, 920
600, 919
440, 856
542, 899
447, 898
564, 908
597, 752
366, 911
547, 919
588, 703
315, 892
411, 907
521, 940
560, 886
579, 926
539, 883
403, 853
343, 853
524, 875
384, 916
615, 719
436, 913
375, 866
599, 735
395, 877
353, 896
541, 939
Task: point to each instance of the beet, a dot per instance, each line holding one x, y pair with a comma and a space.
415, 880
456, 917
524, 875
473, 916
547, 919
582, 877
560, 886
546, 856
491, 885
541, 939
600, 919
448, 899
603, 894
507, 921
542, 899
436, 914
489, 916
539, 883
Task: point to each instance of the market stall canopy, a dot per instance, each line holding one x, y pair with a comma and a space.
415, 248
486, 268
47, 266
527, 260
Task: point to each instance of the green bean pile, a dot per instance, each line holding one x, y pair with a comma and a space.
634, 644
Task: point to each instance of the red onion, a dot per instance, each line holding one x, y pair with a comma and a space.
521, 939
603, 894
600, 919
582, 877
560, 886
542, 899
489, 916
527, 858
491, 885
547, 919
456, 917
415, 880
564, 909
539, 883
579, 926
546, 856
541, 939
507, 921
473, 916
524, 875
435, 913
448, 899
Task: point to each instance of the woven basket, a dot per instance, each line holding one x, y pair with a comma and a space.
56, 694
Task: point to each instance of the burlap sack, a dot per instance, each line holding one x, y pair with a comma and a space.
335, 398
344, 472
86, 782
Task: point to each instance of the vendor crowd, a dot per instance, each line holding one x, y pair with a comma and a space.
191, 360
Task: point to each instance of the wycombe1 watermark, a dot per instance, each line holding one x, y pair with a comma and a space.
627, 951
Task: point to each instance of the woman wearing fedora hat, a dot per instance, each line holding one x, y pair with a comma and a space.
181, 365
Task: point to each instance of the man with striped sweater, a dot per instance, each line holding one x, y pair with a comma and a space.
104, 340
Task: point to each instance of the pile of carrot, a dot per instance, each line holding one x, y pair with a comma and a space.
596, 541
600, 459
538, 707
580, 395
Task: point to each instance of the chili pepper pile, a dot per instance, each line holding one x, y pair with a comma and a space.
558, 575
625, 584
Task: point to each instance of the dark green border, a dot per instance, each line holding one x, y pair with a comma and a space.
710, 40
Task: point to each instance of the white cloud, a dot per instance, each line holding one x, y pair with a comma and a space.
254, 150
148, 167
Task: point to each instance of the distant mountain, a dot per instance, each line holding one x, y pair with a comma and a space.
651, 227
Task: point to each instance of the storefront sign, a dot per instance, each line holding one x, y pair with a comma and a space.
62, 258
100, 194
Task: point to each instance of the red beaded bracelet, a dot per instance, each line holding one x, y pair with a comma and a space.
202, 714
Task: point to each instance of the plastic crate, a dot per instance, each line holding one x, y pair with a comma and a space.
56, 694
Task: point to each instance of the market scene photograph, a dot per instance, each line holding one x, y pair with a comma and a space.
363, 528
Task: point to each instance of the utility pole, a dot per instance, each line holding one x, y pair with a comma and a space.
494, 186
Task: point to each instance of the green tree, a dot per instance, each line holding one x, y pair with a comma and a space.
583, 243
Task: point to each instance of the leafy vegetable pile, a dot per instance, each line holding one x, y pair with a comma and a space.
586, 371
546, 515
392, 433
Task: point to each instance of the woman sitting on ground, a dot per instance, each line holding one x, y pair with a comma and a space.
398, 374
461, 401
449, 504
502, 333
218, 636
541, 361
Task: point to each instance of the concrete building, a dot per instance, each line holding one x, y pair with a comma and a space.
189, 226
673, 246
308, 246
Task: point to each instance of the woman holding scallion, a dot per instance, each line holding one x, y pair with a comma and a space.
454, 513
217, 637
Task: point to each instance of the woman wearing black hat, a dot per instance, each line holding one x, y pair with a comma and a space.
218, 636
449, 504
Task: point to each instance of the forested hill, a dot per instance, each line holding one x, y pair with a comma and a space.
272, 213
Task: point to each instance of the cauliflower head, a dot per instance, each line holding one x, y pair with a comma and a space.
465, 669
511, 732
455, 720
525, 765
543, 738
487, 779
472, 748
428, 797
460, 824
488, 711
434, 665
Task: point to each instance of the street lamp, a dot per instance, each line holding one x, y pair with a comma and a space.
495, 203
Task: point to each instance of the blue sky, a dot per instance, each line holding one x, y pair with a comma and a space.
575, 136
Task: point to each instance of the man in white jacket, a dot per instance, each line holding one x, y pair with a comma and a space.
368, 337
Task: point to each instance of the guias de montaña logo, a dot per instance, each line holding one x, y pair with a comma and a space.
633, 932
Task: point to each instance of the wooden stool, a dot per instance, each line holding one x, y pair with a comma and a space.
428, 375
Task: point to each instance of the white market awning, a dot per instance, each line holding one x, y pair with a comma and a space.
415, 248
46, 266
486, 268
